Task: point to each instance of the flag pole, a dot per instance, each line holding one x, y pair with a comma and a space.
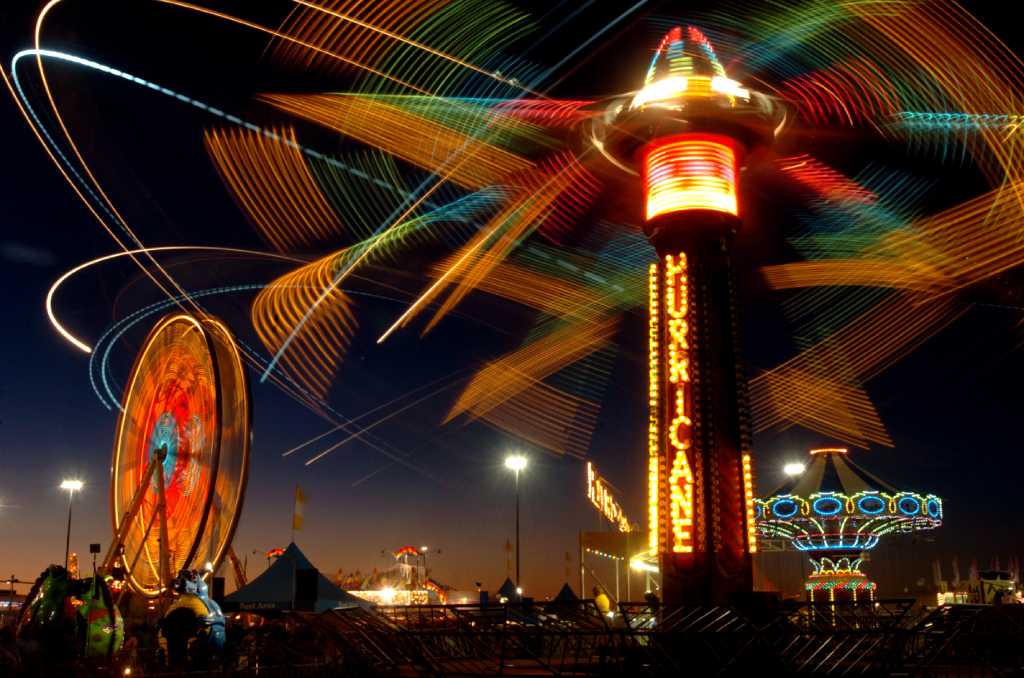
295, 497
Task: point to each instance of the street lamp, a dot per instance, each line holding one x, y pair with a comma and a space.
72, 486
516, 463
793, 468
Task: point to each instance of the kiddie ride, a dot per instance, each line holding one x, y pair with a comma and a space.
193, 614
65, 618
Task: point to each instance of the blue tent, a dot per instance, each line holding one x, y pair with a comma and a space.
291, 583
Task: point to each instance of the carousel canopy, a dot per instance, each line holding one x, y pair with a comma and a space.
831, 470
836, 505
291, 583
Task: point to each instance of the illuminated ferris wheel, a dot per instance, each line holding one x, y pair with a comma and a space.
181, 453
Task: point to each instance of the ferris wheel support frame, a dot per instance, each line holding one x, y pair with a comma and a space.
115, 552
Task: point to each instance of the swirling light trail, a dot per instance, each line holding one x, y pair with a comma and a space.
284, 36
106, 202
78, 343
339, 427
418, 45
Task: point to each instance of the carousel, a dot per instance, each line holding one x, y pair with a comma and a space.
834, 511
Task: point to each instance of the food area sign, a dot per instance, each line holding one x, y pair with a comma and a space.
601, 497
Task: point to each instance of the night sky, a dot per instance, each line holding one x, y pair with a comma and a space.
952, 408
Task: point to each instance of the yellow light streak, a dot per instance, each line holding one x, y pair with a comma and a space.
418, 45
413, 138
271, 182
283, 36
524, 368
321, 341
83, 346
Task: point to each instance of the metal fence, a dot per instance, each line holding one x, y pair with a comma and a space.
889, 637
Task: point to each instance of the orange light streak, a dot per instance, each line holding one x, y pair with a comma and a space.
829, 450
535, 201
522, 369
272, 184
320, 344
415, 139
548, 294
549, 418
418, 45
283, 36
470, 251
322, 30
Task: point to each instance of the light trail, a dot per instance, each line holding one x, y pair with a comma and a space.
54, 152
369, 412
78, 343
196, 103
392, 222
106, 201
283, 36
480, 241
418, 45
383, 230
79, 184
118, 329
380, 421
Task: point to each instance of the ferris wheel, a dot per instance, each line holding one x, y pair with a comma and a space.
181, 453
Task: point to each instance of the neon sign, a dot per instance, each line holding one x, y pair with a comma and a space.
680, 479
601, 497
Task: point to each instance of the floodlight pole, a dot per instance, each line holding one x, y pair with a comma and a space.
518, 580
67, 541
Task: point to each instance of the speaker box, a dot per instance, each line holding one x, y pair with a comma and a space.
306, 581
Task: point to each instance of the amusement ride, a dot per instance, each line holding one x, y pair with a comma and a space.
833, 512
181, 454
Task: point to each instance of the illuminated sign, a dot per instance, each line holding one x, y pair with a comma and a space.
601, 497
680, 428
653, 425
748, 504
690, 172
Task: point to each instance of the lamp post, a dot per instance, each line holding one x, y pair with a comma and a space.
794, 468
516, 463
71, 486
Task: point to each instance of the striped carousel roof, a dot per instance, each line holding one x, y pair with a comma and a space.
831, 470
